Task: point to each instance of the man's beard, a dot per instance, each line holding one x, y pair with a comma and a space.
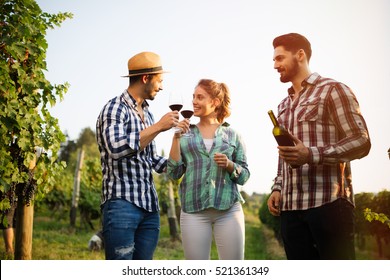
150, 94
290, 74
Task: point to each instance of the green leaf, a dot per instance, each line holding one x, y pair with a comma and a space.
24, 88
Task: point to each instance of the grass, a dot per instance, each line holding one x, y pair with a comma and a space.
55, 239
260, 243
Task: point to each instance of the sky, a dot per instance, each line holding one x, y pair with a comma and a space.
231, 42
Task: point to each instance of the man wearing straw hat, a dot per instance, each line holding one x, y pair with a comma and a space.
125, 132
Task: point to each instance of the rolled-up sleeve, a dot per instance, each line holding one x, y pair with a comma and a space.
241, 173
175, 169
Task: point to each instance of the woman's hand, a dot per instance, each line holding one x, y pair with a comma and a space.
224, 162
184, 127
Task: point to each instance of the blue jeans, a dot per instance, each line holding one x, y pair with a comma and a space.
130, 232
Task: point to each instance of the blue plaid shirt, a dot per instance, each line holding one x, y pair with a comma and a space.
127, 170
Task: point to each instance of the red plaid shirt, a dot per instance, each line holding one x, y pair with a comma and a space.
326, 118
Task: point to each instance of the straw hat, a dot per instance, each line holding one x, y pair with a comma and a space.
144, 63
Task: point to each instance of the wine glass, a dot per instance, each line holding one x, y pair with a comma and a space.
187, 112
175, 104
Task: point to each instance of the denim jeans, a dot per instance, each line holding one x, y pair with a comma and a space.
130, 232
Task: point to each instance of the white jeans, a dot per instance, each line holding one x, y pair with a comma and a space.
229, 233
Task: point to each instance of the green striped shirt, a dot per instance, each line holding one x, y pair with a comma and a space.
204, 184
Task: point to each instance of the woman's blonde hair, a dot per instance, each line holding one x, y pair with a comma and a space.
221, 92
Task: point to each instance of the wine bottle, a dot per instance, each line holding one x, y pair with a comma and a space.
281, 134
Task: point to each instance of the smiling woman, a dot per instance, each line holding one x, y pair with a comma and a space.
211, 164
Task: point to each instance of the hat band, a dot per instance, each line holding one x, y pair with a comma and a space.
145, 70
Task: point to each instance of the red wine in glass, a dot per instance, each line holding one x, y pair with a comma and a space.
175, 104
187, 114
176, 107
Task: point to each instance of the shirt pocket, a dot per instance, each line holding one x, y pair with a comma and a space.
227, 148
310, 110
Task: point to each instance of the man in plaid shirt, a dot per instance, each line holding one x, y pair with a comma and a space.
315, 200
125, 132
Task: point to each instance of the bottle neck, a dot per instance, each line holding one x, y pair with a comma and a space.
273, 118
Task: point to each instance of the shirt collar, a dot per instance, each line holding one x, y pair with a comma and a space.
312, 79
132, 102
